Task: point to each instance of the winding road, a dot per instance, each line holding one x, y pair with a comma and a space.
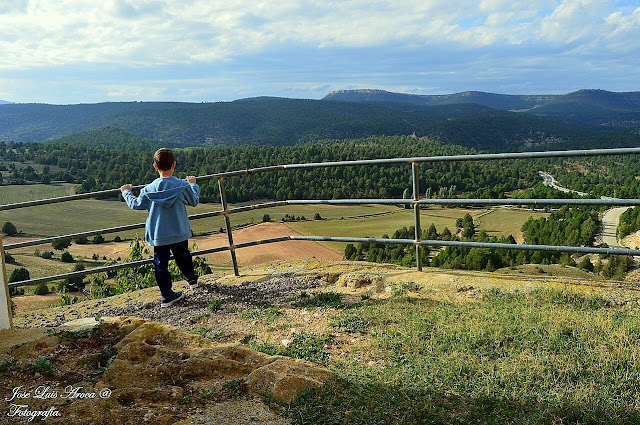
610, 221
610, 218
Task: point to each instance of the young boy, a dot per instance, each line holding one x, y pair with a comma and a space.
167, 228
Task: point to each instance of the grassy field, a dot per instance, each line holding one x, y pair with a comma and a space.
91, 214
29, 192
84, 215
547, 357
39, 267
380, 225
506, 221
498, 222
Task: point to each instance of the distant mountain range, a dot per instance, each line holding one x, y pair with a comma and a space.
4, 102
582, 105
480, 120
491, 100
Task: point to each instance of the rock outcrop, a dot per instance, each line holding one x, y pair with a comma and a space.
160, 361
156, 374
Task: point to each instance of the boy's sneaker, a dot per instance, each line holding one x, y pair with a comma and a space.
193, 285
177, 296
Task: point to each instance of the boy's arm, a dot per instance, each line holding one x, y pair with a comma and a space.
192, 196
139, 203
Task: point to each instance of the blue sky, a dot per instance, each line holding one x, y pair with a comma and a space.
85, 51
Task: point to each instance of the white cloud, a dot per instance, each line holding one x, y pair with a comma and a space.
362, 38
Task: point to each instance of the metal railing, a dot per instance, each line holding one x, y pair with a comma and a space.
415, 202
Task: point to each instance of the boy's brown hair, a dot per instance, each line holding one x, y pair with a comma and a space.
164, 159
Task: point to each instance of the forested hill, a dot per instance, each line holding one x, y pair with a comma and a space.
274, 121
491, 100
280, 121
600, 107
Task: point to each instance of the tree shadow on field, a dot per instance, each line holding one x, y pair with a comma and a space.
347, 402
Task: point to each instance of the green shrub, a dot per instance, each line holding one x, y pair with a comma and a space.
41, 289
43, 365
66, 257
321, 299
306, 346
14, 292
99, 288
9, 229
215, 304
18, 275
66, 299
47, 255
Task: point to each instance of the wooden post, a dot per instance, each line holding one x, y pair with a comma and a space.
6, 321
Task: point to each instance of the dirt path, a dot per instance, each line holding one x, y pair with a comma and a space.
610, 220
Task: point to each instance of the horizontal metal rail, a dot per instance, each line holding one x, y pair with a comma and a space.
468, 201
139, 263
118, 229
462, 244
415, 202
496, 245
386, 161
504, 202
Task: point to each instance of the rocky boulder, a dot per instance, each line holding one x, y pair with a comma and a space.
162, 362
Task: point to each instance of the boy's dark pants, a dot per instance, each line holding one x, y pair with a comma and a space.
181, 254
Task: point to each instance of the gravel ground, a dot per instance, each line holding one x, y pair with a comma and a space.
278, 291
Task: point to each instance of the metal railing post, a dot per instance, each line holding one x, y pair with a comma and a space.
227, 222
416, 213
6, 321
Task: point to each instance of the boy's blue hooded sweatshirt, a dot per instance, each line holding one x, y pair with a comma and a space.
166, 199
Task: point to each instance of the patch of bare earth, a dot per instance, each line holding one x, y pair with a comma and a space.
246, 256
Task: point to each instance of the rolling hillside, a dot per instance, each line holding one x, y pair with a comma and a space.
274, 121
487, 121
491, 100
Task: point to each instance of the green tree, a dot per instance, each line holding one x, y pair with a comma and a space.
18, 275
9, 229
66, 257
266, 218
468, 227
567, 260
586, 264
350, 252
61, 245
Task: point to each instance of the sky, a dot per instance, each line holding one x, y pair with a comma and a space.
88, 51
